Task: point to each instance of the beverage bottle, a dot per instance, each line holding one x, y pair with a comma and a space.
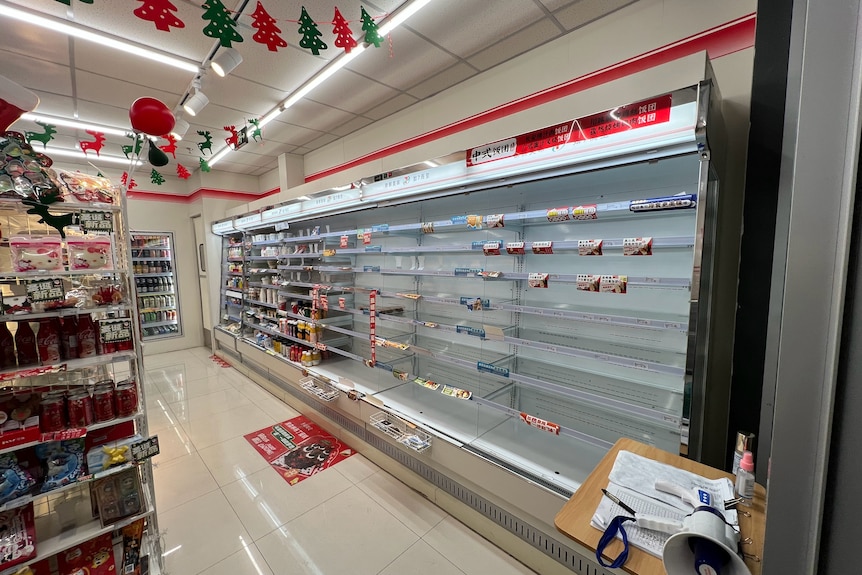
745, 478
7, 348
86, 336
25, 342
48, 341
69, 338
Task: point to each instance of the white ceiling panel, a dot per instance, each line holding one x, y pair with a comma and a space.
445, 79
413, 59
351, 92
522, 41
470, 31
390, 107
36, 43
586, 11
36, 74
289, 133
351, 126
444, 44
315, 116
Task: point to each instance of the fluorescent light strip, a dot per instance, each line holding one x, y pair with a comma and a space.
219, 155
76, 124
65, 152
401, 16
59, 25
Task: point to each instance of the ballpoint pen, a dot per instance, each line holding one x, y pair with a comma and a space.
616, 500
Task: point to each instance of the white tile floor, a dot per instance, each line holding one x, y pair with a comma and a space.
224, 511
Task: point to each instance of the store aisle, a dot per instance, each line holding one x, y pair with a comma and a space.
226, 512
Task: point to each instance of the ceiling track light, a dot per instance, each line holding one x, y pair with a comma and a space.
196, 102
180, 128
226, 61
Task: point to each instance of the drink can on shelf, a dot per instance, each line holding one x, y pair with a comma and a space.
79, 406
103, 404
52, 416
126, 397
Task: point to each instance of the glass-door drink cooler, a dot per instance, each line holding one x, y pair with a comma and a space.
156, 285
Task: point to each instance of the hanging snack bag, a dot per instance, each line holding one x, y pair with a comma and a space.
62, 461
15, 480
89, 253
85, 189
36, 253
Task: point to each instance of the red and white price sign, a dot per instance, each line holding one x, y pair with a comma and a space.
366, 238
320, 346
324, 302
372, 311
343, 242
541, 424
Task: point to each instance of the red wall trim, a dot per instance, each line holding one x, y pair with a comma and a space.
199, 193
719, 41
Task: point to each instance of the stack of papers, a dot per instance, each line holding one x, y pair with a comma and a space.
633, 479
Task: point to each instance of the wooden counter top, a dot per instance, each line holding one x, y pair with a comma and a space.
574, 518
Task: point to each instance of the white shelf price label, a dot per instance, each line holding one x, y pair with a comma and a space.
540, 424
585, 212
558, 214
515, 248
492, 248
637, 247
538, 280
589, 247
613, 284
543, 247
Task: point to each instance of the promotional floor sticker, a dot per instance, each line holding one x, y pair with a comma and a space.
298, 449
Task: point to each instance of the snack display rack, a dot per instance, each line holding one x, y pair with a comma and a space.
233, 282
540, 301
154, 263
72, 418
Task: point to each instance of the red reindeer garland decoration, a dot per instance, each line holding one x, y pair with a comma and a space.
95, 145
233, 140
171, 146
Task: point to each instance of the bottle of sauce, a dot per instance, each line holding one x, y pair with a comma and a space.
25, 342
48, 341
69, 338
7, 348
86, 336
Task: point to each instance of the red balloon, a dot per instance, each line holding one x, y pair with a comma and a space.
151, 117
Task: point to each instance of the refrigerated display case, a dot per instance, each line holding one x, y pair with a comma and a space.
154, 264
531, 303
233, 283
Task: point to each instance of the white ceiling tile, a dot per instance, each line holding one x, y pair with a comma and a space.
289, 133
36, 75
413, 59
351, 126
315, 116
465, 32
244, 97
33, 42
523, 41
55, 104
397, 103
117, 93
351, 92
586, 11
557, 4
445, 79
321, 141
285, 70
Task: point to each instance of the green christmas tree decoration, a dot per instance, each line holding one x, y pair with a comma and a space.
205, 167
157, 178
343, 34
310, 34
100, 174
369, 26
221, 24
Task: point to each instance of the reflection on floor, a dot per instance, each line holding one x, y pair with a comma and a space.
224, 511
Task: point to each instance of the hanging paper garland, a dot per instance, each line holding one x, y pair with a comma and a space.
267, 30
46, 136
310, 34
160, 13
221, 24
206, 145
232, 141
129, 183
157, 178
69, 2
136, 147
205, 167
171, 146
369, 26
182, 172
343, 34
256, 134
95, 145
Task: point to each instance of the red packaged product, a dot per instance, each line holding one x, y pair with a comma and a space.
86, 336
79, 407
126, 396
25, 343
17, 536
7, 348
52, 414
94, 557
48, 341
103, 404
69, 338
